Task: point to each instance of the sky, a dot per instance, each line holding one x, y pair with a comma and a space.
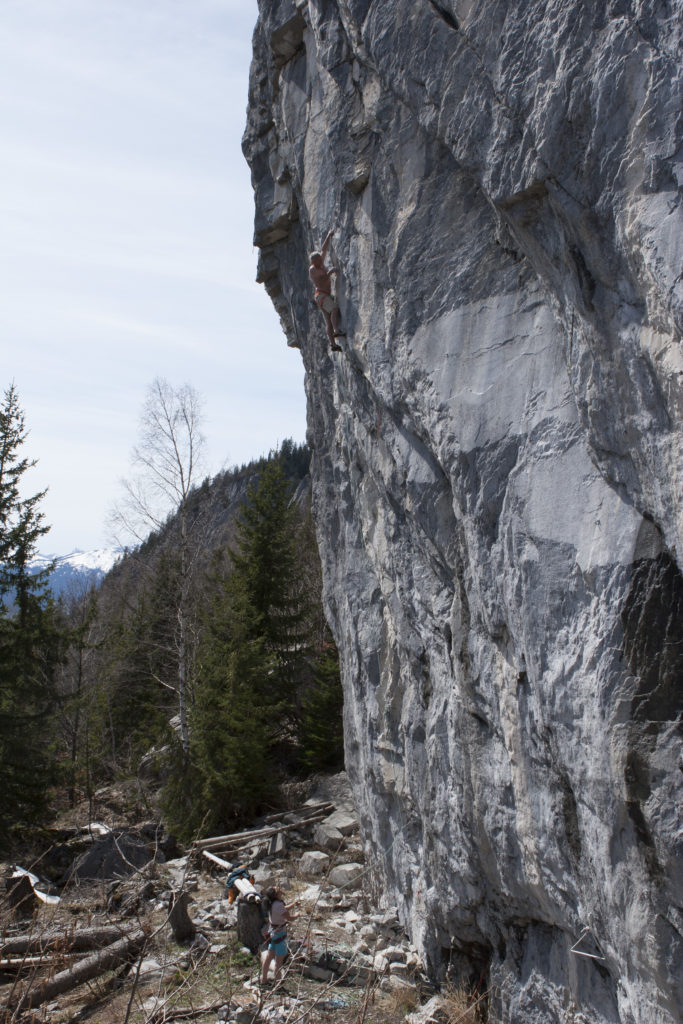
126, 224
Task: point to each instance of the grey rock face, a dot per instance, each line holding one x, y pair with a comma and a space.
497, 465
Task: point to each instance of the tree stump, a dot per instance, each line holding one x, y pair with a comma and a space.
249, 924
183, 927
20, 895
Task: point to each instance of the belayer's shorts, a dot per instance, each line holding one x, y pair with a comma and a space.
278, 944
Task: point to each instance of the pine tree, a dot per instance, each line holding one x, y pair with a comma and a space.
29, 640
268, 576
322, 727
229, 771
255, 649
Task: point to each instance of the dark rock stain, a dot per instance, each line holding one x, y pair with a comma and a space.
447, 16
652, 619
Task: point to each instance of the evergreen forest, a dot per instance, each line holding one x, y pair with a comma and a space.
202, 661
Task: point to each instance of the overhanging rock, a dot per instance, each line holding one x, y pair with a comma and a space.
497, 467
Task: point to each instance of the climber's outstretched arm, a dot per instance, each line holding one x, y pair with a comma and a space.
328, 236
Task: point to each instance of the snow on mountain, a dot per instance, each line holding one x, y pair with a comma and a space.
82, 566
99, 560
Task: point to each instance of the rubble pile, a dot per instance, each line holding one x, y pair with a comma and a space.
343, 947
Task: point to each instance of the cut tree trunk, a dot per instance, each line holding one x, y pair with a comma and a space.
183, 927
249, 924
109, 958
20, 895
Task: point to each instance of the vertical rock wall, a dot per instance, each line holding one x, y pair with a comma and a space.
497, 465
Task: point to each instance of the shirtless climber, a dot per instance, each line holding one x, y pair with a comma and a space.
320, 275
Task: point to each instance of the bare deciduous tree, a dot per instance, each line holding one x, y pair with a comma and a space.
167, 463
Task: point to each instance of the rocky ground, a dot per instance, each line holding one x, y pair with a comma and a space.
351, 960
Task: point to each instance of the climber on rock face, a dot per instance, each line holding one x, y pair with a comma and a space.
321, 277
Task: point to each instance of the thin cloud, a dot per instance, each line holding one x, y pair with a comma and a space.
126, 249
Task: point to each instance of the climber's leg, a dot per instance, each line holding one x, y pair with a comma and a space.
330, 331
336, 319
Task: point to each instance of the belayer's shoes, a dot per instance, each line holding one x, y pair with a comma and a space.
336, 348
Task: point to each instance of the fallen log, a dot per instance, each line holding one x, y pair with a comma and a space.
28, 963
82, 940
218, 842
76, 974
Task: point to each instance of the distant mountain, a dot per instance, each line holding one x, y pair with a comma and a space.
78, 568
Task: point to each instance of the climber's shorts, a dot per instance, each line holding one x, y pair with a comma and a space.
325, 302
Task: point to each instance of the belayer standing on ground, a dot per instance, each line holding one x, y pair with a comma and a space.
279, 916
321, 276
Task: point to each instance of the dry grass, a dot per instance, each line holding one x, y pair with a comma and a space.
460, 1007
398, 1003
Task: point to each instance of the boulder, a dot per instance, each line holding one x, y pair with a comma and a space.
398, 970
318, 973
115, 855
433, 1012
380, 963
246, 1014
343, 823
328, 837
150, 968
314, 862
346, 875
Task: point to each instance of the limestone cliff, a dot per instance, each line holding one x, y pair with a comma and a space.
497, 465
